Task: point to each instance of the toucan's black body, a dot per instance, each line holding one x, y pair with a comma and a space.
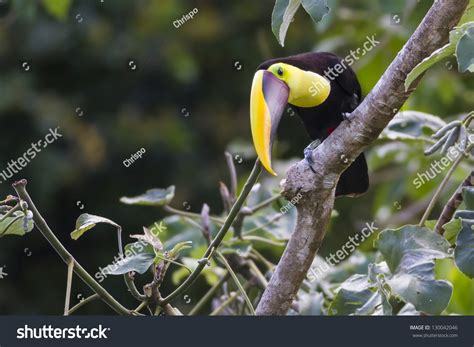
321, 120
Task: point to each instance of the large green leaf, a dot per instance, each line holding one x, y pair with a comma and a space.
317, 9
455, 37
412, 126
348, 301
284, 12
465, 51
57, 8
410, 252
426, 63
363, 294
86, 222
460, 303
452, 229
282, 16
139, 256
152, 197
429, 296
17, 224
310, 304
464, 251
394, 244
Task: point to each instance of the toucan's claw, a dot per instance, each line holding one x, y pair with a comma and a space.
347, 116
308, 153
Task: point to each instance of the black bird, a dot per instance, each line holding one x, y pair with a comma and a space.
323, 90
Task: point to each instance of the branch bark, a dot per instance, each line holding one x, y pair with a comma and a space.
347, 142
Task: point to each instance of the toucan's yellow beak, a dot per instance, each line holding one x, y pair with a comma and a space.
268, 99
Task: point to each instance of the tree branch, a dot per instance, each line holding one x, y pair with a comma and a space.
348, 141
453, 204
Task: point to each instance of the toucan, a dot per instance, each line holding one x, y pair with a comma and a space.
323, 90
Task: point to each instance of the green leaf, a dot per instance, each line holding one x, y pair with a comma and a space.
86, 222
464, 214
152, 197
452, 229
348, 301
282, 16
412, 126
57, 8
317, 9
455, 37
311, 304
179, 247
460, 303
210, 273
429, 296
410, 252
394, 244
426, 63
430, 224
465, 51
139, 256
464, 251
408, 310
468, 197
16, 224
178, 229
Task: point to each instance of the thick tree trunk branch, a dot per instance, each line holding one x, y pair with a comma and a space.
348, 141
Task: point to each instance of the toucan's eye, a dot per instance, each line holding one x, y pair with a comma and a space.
280, 71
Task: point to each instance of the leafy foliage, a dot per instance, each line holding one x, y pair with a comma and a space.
285, 10
152, 197
18, 223
86, 221
464, 251
461, 42
58, 9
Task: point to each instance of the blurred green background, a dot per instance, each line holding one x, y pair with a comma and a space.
185, 103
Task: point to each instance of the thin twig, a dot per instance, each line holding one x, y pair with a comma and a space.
141, 307
453, 203
258, 273
270, 266
237, 282
173, 210
83, 302
272, 220
225, 303
263, 240
132, 288
208, 295
70, 268
264, 204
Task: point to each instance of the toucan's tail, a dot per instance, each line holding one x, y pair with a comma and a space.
355, 180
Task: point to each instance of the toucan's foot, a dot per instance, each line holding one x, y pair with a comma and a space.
347, 116
308, 153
